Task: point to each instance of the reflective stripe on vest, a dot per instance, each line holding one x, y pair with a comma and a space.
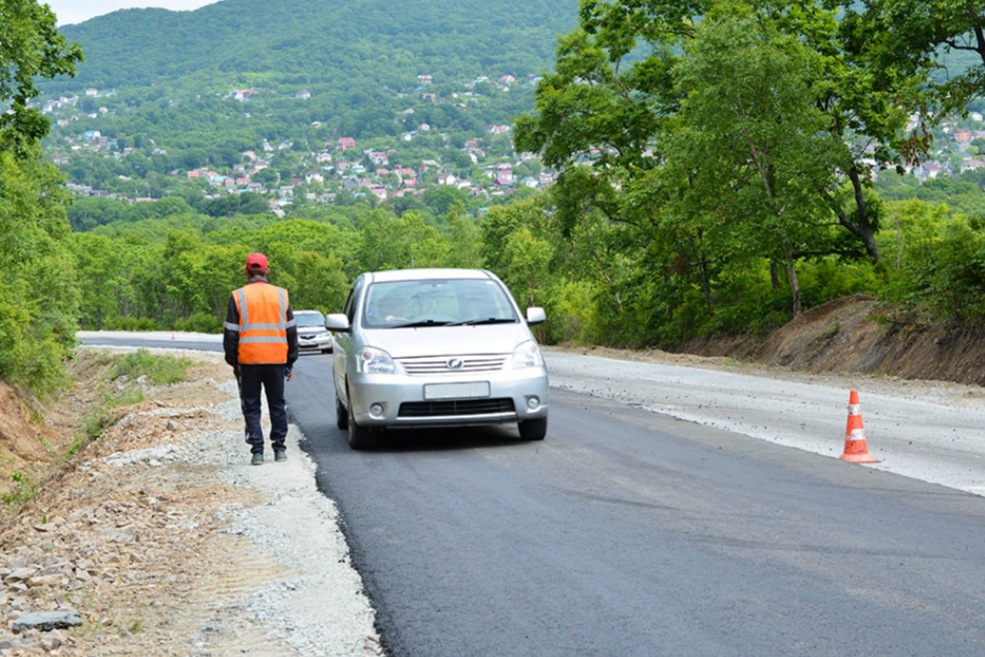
262, 324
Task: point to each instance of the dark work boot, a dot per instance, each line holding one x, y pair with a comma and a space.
257, 458
280, 454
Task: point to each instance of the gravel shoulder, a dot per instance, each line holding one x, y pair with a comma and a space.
929, 430
165, 541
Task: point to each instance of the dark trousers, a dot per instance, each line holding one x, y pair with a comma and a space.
271, 378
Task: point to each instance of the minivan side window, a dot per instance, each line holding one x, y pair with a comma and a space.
347, 307
350, 303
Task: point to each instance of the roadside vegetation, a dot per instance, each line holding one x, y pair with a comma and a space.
122, 386
157, 369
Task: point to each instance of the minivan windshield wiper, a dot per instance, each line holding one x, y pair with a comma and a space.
419, 323
484, 320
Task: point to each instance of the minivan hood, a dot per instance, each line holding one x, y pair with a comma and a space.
449, 340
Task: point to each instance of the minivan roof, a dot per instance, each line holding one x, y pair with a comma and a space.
426, 274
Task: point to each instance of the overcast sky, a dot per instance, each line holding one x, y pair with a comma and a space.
77, 11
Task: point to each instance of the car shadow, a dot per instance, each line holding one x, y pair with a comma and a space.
447, 439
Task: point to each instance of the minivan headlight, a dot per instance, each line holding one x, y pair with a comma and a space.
527, 354
370, 360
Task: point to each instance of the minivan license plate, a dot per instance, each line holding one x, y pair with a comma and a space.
465, 390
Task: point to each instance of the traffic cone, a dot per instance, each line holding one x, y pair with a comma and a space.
856, 449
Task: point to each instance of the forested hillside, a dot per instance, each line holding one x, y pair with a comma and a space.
355, 59
164, 92
342, 48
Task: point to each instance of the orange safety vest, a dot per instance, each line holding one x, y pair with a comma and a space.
262, 324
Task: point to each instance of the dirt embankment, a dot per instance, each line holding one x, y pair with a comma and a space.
855, 335
157, 538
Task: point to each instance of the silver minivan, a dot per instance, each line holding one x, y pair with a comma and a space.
436, 347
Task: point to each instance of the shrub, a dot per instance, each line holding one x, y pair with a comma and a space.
159, 369
199, 323
132, 324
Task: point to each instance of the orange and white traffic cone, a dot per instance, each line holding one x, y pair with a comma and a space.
856, 449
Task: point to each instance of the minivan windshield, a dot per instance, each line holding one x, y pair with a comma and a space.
439, 302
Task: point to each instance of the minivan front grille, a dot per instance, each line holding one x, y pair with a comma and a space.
452, 364
456, 407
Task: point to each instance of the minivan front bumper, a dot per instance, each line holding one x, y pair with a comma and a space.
400, 400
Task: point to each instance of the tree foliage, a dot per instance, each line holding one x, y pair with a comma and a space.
39, 302
715, 162
733, 139
30, 47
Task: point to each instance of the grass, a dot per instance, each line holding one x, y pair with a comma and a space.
24, 489
124, 398
95, 424
159, 369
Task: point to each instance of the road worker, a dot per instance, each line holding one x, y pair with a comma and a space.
261, 343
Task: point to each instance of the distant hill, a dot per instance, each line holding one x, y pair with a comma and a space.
164, 92
321, 44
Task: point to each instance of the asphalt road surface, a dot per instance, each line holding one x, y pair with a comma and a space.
632, 532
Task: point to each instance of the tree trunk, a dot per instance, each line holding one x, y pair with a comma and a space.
706, 285
792, 275
863, 227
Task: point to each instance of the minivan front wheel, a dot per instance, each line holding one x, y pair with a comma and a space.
341, 414
359, 437
533, 429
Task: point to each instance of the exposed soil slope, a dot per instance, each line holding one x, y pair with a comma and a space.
854, 335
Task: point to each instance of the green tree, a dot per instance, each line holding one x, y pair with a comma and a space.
443, 198
320, 282
943, 37
614, 97
39, 305
389, 242
30, 47
528, 257
464, 238
102, 273
751, 147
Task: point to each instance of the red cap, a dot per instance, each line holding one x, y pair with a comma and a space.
256, 262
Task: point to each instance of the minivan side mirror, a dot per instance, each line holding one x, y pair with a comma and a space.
536, 315
337, 322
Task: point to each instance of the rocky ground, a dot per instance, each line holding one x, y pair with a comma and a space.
158, 538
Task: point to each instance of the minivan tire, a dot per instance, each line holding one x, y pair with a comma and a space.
533, 429
341, 415
359, 437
